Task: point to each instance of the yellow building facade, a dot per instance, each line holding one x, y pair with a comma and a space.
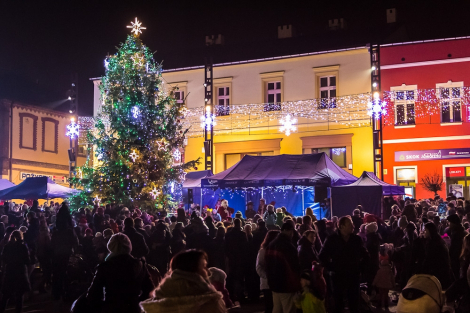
326, 92
33, 143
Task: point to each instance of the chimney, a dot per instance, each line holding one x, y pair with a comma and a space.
285, 31
391, 16
336, 24
214, 40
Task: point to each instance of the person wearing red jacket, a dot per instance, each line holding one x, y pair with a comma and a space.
224, 210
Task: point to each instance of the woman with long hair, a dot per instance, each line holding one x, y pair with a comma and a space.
261, 270
15, 256
465, 257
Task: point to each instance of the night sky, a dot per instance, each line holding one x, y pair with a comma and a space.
42, 42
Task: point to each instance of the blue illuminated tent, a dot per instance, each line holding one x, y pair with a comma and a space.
37, 188
256, 176
367, 191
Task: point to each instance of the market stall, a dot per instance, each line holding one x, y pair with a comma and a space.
37, 188
367, 191
288, 180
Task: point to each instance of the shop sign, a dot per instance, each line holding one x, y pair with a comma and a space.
455, 171
426, 155
468, 171
54, 178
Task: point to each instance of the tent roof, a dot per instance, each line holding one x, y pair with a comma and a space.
193, 179
368, 179
285, 169
5, 183
36, 188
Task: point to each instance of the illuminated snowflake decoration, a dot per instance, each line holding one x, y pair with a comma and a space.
338, 151
376, 108
177, 156
73, 130
287, 125
154, 193
136, 27
135, 111
133, 155
208, 121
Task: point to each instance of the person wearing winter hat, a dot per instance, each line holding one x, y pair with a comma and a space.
371, 227
218, 280
123, 279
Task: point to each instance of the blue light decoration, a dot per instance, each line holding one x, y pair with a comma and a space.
73, 129
208, 120
376, 108
135, 111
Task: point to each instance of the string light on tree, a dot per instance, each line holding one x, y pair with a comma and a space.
287, 123
136, 27
73, 129
138, 121
133, 155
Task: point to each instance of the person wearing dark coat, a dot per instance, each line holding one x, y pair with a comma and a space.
283, 270
306, 250
236, 247
343, 255
250, 212
259, 234
139, 247
139, 227
436, 256
122, 280
210, 225
457, 235
63, 243
357, 220
15, 256
98, 220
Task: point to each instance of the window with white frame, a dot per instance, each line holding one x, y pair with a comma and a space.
179, 96
450, 96
327, 92
223, 101
273, 96
404, 103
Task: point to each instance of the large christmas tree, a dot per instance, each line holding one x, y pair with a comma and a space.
138, 136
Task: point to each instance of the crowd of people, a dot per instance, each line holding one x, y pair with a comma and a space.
204, 260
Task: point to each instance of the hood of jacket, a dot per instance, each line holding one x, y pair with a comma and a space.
182, 291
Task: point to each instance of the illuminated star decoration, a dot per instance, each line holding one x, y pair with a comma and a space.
184, 111
97, 199
135, 111
138, 59
287, 125
73, 130
177, 156
161, 144
154, 193
133, 155
376, 108
183, 175
136, 27
80, 173
208, 121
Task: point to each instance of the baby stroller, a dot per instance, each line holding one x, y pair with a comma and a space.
422, 294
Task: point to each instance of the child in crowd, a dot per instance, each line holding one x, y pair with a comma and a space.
217, 279
279, 217
384, 280
312, 299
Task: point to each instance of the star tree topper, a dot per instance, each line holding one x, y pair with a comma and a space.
136, 27
154, 193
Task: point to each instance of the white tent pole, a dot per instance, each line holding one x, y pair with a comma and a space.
262, 192
331, 203
200, 205
303, 203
